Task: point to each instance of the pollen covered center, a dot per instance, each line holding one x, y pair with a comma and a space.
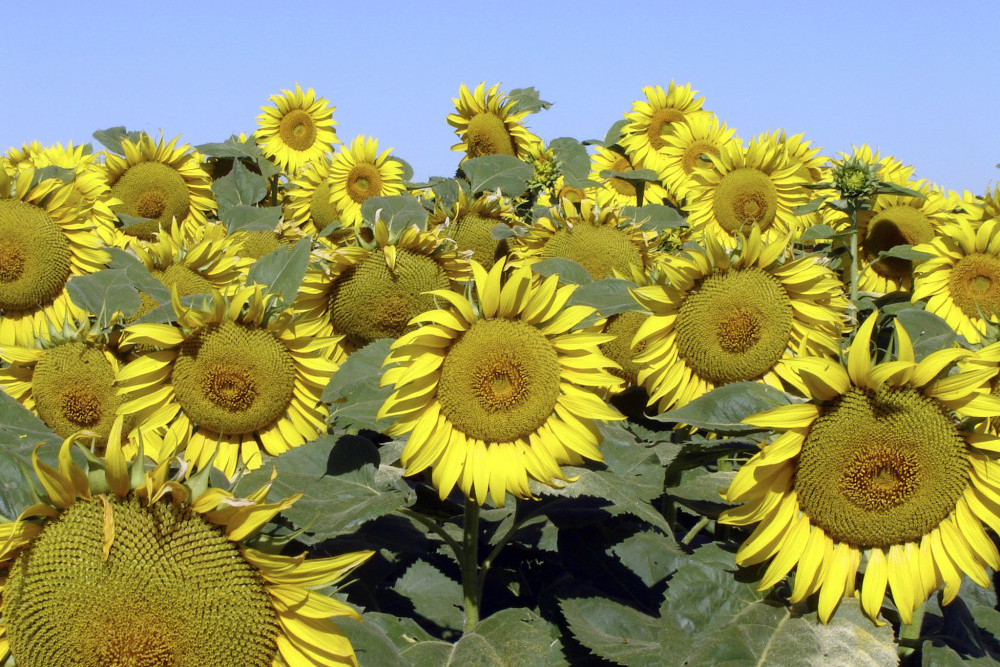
743, 199
151, 190
363, 182
659, 125
896, 225
692, 155
500, 381
881, 467
974, 285
35, 256
488, 135
601, 249
73, 386
297, 130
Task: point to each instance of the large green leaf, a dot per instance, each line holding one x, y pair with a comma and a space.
397, 212
246, 218
343, 485
139, 275
20, 432
435, 596
569, 272
354, 393
111, 138
610, 296
650, 555
381, 639
498, 172
239, 186
526, 99
927, 331
722, 409
104, 293
574, 161
654, 217
614, 631
282, 269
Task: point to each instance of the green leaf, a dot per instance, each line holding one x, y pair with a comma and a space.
498, 172
614, 133
343, 485
378, 638
813, 206
722, 409
398, 212
104, 293
434, 596
887, 188
239, 186
130, 220
165, 311
702, 486
927, 331
818, 233
633, 176
510, 638
243, 217
111, 138
354, 393
610, 296
138, 274
282, 269
613, 631
526, 99
654, 217
20, 432
232, 148
59, 173
445, 190
904, 251
651, 556
574, 161
407, 174
569, 272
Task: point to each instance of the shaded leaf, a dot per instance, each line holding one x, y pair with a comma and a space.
574, 161
813, 206
654, 217
354, 392
614, 133
722, 409
569, 272
398, 212
434, 595
633, 176
818, 233
20, 432
104, 293
243, 217
703, 486
614, 631
282, 269
610, 296
928, 332
239, 186
138, 274
493, 172
904, 251
650, 555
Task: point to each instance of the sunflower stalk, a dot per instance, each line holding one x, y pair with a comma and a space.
470, 565
909, 633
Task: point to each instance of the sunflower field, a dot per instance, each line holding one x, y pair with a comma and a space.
666, 397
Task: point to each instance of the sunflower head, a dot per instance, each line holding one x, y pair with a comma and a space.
358, 173
297, 129
877, 466
487, 124
470, 224
121, 561
855, 179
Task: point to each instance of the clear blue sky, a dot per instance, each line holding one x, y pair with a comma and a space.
916, 79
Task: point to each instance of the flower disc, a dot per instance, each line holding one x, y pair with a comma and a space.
322, 211
475, 232
372, 301
171, 591
35, 256
488, 135
882, 467
297, 130
974, 284
624, 327
151, 190
500, 381
73, 386
363, 182
744, 198
601, 249
232, 379
735, 326
896, 225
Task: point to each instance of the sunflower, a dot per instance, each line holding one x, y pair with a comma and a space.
470, 224
617, 191
45, 238
688, 146
111, 571
70, 385
487, 125
961, 281
650, 122
373, 290
499, 388
229, 378
159, 182
721, 317
875, 468
308, 200
359, 172
297, 129
744, 188
596, 238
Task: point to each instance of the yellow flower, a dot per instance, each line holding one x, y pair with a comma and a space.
617, 191
875, 468
156, 572
470, 225
495, 389
358, 173
689, 145
309, 198
651, 122
719, 318
227, 379
297, 129
486, 124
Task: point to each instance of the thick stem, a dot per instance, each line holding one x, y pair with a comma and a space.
853, 211
909, 633
470, 564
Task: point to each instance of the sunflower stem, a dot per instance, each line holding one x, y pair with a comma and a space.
853, 212
702, 522
909, 633
470, 564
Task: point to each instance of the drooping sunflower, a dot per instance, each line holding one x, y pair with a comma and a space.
487, 125
743, 188
596, 238
617, 191
876, 468
309, 197
372, 290
107, 571
160, 182
651, 121
500, 387
470, 224
961, 281
719, 316
688, 146
358, 173
297, 129
45, 239
230, 378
